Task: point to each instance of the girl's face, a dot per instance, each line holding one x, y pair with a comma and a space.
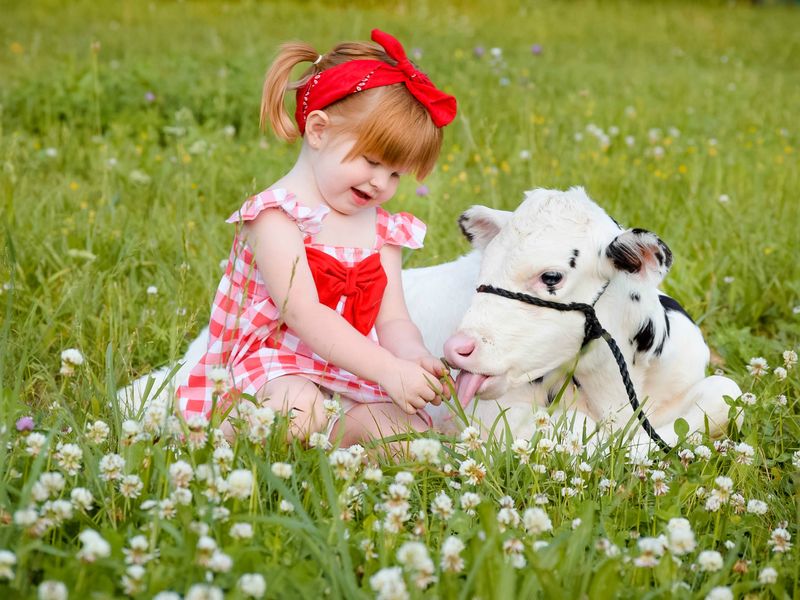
348, 186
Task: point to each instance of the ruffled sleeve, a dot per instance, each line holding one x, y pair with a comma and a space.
401, 229
309, 220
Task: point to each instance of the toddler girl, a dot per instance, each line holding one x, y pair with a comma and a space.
311, 302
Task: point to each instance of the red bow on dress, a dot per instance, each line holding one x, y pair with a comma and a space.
333, 84
362, 285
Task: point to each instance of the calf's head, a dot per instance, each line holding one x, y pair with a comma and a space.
557, 246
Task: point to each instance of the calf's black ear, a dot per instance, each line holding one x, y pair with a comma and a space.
641, 253
480, 224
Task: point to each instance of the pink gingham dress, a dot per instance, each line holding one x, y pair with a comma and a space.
246, 337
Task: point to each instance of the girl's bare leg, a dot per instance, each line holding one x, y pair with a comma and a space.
291, 393
366, 422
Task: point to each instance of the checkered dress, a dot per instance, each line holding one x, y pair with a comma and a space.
248, 342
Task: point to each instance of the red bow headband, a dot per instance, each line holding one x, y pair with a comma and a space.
333, 84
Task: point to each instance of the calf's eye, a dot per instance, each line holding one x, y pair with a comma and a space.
551, 278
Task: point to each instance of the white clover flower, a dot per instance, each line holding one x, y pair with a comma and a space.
767, 576
131, 432
319, 440
650, 551
780, 373
7, 561
220, 562
180, 474
545, 445
241, 531
789, 359
720, 593
94, 546
282, 470
703, 452
507, 517
181, 496
205, 549
469, 502
472, 438
332, 408
344, 464
132, 581
710, 561
680, 537
53, 482
202, 591
796, 459
388, 584
473, 471
252, 585
660, 486
285, 506
442, 506
426, 450
130, 486
138, 551
34, 443
70, 359
414, 557
373, 474
240, 484
522, 448
513, 549
198, 431
757, 507
56, 511
152, 290
25, 517
779, 540
744, 453
451, 555
97, 432
757, 366
748, 399
404, 478
111, 467
68, 457
535, 521
52, 590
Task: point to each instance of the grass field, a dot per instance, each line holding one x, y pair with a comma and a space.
129, 132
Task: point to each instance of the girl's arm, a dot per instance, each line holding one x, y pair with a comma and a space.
281, 258
396, 332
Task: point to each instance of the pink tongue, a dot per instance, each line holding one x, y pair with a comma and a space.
467, 384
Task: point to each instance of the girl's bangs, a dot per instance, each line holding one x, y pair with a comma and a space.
398, 132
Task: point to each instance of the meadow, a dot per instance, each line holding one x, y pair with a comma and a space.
129, 132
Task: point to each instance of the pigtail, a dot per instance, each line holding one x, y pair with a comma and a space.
277, 84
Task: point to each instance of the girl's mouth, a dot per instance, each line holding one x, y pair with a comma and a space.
360, 197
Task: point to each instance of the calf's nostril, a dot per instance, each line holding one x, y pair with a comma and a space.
459, 346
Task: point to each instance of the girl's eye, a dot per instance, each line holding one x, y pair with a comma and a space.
551, 278
374, 163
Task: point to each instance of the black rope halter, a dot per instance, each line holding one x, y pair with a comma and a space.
592, 330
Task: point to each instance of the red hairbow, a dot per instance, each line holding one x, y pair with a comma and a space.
333, 84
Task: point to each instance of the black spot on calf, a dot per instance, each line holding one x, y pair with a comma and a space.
645, 337
635, 296
672, 305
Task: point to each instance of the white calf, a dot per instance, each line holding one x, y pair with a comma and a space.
562, 247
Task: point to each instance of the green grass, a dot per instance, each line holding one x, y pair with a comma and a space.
104, 193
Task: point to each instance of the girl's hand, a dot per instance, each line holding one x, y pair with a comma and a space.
437, 368
411, 386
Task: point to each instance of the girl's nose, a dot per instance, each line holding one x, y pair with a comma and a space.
380, 178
